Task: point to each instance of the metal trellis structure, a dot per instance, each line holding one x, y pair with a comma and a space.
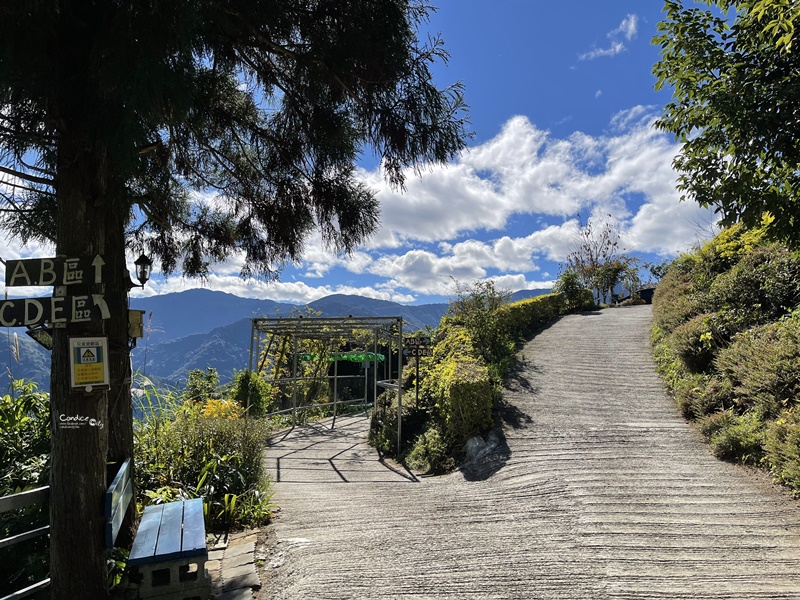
387, 332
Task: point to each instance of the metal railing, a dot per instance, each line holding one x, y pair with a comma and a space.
15, 502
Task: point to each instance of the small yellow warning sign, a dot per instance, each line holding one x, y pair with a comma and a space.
88, 361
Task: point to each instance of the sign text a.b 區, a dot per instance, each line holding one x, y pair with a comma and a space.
55, 271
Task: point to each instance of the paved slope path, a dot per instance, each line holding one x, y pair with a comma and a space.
603, 492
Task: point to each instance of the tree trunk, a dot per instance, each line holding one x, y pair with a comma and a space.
79, 419
120, 410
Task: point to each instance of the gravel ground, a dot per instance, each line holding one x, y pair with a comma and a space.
599, 490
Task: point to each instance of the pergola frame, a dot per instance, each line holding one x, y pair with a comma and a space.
317, 328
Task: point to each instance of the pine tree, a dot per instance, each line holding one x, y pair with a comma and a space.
192, 130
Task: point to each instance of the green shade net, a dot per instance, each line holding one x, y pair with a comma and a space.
351, 356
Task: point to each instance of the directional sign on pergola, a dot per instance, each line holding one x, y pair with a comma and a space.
55, 271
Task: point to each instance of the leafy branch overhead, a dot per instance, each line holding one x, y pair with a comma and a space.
735, 108
225, 125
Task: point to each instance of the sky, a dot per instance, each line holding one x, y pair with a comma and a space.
562, 104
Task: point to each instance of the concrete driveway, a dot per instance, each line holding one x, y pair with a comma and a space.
600, 491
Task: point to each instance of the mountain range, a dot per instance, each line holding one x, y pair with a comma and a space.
199, 328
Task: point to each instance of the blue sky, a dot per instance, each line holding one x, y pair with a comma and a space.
562, 102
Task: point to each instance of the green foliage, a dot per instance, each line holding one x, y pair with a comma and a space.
726, 339
24, 464
783, 448
25, 451
477, 307
739, 438
201, 385
429, 453
761, 287
383, 424
695, 344
251, 391
464, 398
763, 368
180, 453
731, 88
576, 295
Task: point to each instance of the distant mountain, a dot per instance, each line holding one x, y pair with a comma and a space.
32, 362
415, 317
199, 311
525, 294
228, 347
224, 348
199, 328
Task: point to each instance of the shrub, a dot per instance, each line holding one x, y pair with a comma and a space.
674, 300
253, 391
383, 424
783, 448
25, 451
713, 423
740, 438
429, 453
576, 296
698, 395
24, 464
632, 302
763, 367
202, 449
464, 399
695, 344
761, 287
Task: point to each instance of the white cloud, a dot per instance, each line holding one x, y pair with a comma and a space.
453, 220
627, 30
614, 49
280, 291
626, 174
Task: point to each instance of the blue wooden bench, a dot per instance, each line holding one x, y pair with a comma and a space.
167, 560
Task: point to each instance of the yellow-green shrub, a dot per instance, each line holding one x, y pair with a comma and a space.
464, 398
783, 448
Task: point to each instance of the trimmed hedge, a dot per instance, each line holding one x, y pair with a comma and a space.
464, 398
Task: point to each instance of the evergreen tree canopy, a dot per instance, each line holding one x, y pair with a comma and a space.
223, 125
735, 108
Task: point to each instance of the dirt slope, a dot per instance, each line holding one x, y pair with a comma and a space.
602, 492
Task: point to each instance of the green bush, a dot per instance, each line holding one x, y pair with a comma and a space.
24, 464
694, 343
783, 448
761, 287
740, 438
180, 453
763, 368
727, 343
713, 423
25, 451
253, 392
429, 453
383, 423
674, 300
698, 395
576, 296
464, 399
